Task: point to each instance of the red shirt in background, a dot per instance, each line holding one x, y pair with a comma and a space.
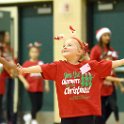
35, 80
97, 54
7, 53
2, 83
107, 88
78, 90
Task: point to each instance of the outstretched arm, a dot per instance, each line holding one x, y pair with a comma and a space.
114, 79
32, 69
117, 63
118, 81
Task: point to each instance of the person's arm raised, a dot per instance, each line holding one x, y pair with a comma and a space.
117, 63
32, 69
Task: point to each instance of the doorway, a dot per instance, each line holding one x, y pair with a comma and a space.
36, 24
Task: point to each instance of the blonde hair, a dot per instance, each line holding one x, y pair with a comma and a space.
84, 47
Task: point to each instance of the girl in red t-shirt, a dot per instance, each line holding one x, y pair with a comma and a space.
4, 75
34, 83
103, 51
2, 91
77, 81
2, 87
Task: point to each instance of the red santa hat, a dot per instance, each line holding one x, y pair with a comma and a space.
102, 31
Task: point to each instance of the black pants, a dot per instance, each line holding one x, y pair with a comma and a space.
10, 97
112, 107
109, 105
9, 101
78, 120
1, 109
36, 102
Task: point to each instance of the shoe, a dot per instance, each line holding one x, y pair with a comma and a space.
27, 118
34, 122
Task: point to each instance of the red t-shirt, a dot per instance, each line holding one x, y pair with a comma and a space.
78, 90
2, 84
3, 76
8, 55
107, 88
96, 54
35, 80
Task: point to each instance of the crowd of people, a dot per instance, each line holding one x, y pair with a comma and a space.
6, 80
33, 83
86, 84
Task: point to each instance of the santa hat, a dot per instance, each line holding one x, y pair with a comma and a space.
102, 31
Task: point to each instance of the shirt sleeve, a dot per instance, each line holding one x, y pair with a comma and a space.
94, 54
49, 71
104, 68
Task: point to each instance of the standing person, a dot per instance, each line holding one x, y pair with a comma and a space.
34, 83
8, 54
2, 87
77, 82
2, 92
108, 94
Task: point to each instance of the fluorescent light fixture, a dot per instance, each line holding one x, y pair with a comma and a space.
18, 1
105, 6
44, 10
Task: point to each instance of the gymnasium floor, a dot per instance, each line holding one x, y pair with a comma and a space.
45, 118
48, 118
112, 121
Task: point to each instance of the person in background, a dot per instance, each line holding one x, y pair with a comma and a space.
8, 99
2, 83
109, 93
101, 51
34, 83
77, 82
